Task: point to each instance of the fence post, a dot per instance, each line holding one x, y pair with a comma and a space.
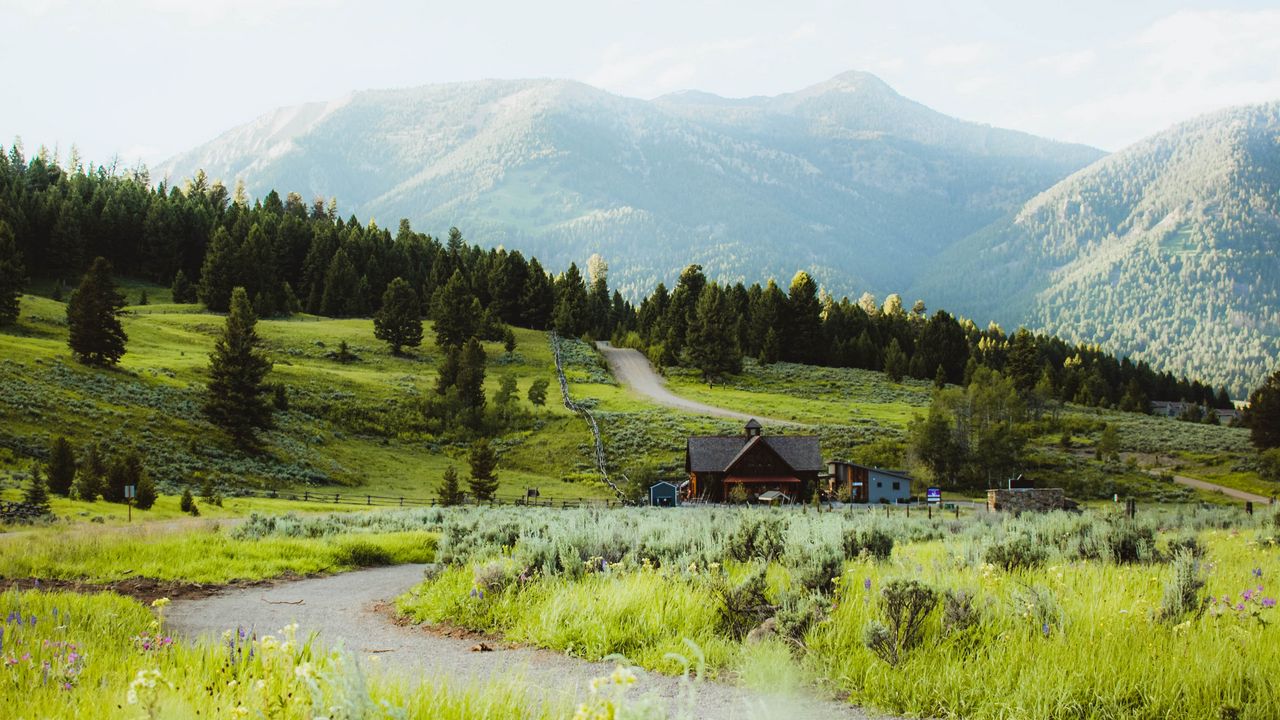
402, 501
930, 510
335, 498
306, 496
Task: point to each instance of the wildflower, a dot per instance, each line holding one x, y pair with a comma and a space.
714, 566
240, 712
159, 602
1247, 594
866, 584
1045, 629
623, 676
1257, 572
305, 671
1268, 602
33, 621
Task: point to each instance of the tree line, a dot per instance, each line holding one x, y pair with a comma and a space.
290, 255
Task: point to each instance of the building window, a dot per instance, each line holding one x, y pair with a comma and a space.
879, 484
897, 485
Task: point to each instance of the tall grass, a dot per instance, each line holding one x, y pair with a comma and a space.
205, 554
1067, 623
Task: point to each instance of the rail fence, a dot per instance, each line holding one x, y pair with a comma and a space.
385, 501
601, 466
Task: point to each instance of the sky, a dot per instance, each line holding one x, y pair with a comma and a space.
147, 79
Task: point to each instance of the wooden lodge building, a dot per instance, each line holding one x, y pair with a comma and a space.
789, 464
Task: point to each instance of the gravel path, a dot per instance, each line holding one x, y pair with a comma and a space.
1229, 492
352, 609
632, 369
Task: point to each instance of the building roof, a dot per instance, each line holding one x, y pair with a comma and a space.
716, 454
895, 473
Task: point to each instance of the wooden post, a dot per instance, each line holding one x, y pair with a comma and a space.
306, 496
335, 498
401, 501
368, 499
957, 511
930, 509
1248, 507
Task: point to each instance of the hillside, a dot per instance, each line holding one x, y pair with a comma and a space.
847, 177
1166, 251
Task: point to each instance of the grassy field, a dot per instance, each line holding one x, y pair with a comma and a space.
1058, 616
352, 425
209, 552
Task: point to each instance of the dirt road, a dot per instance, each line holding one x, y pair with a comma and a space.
1229, 492
632, 369
353, 609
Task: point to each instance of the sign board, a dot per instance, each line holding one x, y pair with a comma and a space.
934, 495
130, 491
857, 484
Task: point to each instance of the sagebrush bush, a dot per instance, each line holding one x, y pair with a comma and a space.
816, 568
873, 540
359, 553
799, 611
1182, 589
1018, 551
958, 612
757, 537
904, 606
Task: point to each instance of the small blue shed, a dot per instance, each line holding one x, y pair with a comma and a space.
664, 494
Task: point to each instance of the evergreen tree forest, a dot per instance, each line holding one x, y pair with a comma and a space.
291, 255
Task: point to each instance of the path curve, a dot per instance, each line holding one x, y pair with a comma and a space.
1228, 491
352, 608
632, 369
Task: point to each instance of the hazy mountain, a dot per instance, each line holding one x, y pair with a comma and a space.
846, 177
1167, 250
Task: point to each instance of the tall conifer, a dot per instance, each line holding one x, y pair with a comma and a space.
236, 400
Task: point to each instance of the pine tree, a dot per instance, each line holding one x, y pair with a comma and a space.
455, 312
940, 378
397, 322
341, 287
37, 493
13, 276
483, 462
96, 336
1024, 361
450, 493
218, 272
712, 342
62, 467
803, 329
181, 289
1263, 416
508, 341
91, 478
145, 495
236, 400
573, 313
895, 361
769, 349
470, 381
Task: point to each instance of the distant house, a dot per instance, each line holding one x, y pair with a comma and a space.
664, 494
758, 463
1176, 408
867, 484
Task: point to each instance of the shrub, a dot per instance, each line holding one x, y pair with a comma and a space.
874, 541
958, 612
145, 494
1131, 542
904, 607
757, 538
1182, 590
743, 606
797, 612
1016, 551
361, 553
816, 570
494, 577
187, 503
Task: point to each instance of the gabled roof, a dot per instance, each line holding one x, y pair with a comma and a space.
716, 454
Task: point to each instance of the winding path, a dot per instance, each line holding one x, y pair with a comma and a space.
632, 369
354, 609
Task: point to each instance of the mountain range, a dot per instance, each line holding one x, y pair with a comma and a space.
1164, 250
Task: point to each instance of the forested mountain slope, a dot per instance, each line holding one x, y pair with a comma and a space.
1166, 251
846, 177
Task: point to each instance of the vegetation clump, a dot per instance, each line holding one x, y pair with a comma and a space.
904, 606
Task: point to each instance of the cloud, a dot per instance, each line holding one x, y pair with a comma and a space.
662, 70
1181, 66
804, 32
961, 54
1068, 64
